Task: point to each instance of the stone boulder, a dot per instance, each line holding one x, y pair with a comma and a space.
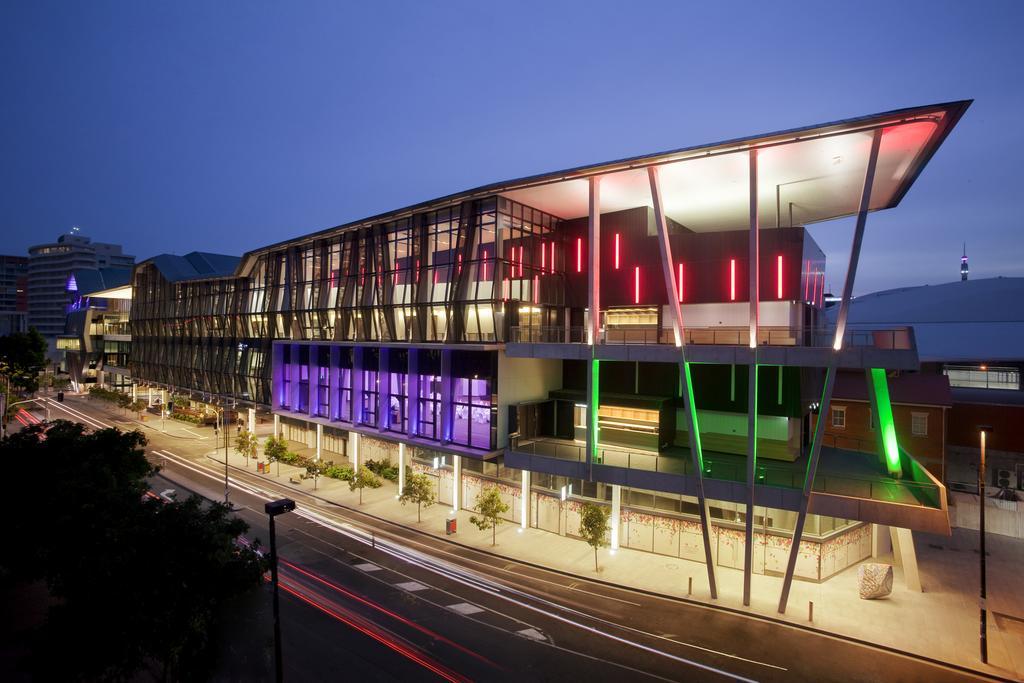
874, 580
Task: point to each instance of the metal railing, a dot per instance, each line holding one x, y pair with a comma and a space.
900, 338
882, 489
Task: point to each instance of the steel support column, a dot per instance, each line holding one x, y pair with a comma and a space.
524, 501
689, 408
858, 238
812, 469
830, 375
616, 520
319, 439
754, 273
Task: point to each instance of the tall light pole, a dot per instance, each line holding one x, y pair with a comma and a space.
273, 509
984, 430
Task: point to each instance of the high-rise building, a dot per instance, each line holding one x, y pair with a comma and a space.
13, 294
50, 266
647, 334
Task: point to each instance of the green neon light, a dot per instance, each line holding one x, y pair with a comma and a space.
754, 369
595, 378
692, 406
885, 422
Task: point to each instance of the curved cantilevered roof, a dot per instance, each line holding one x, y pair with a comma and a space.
813, 174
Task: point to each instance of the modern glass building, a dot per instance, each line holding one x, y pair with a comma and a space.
647, 333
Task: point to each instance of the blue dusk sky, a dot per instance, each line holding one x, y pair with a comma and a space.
225, 126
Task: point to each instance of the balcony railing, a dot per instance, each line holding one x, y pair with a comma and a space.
881, 488
894, 338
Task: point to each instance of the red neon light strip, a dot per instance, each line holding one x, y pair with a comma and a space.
485, 265
636, 285
458, 257
520, 261
807, 280
579, 254
543, 257
616, 251
779, 267
680, 283
552, 257
732, 279
536, 289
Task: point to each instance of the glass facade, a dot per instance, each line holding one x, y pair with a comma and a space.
453, 391
464, 273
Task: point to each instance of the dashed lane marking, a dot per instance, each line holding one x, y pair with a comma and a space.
465, 608
411, 586
531, 633
367, 567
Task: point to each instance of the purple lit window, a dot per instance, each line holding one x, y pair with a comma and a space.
471, 419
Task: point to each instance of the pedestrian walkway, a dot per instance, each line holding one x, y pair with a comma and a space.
941, 622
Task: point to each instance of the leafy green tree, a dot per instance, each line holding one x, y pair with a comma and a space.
137, 406
121, 555
418, 489
124, 401
363, 478
247, 444
22, 358
274, 449
315, 469
594, 527
60, 382
490, 508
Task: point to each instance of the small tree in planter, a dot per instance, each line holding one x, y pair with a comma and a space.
363, 478
137, 406
315, 469
124, 401
247, 444
490, 507
418, 489
594, 527
274, 449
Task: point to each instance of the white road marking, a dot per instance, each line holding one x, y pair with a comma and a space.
367, 567
411, 586
80, 416
168, 495
465, 608
186, 429
532, 634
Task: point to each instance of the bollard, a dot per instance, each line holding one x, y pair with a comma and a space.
810, 611
689, 590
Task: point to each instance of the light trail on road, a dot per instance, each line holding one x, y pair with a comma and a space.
472, 580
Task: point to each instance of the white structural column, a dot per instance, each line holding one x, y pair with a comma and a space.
594, 262
319, 439
353, 446
905, 556
594, 320
524, 502
456, 482
134, 392
252, 420
689, 409
149, 397
830, 374
616, 520
277, 425
401, 468
754, 294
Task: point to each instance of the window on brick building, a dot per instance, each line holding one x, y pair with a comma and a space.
919, 424
839, 417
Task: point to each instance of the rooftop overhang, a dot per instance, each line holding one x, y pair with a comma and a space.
812, 174
124, 292
818, 171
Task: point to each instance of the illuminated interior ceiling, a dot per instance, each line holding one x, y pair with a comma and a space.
817, 173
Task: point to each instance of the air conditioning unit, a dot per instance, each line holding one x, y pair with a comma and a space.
1001, 478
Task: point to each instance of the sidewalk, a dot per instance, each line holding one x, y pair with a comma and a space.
940, 623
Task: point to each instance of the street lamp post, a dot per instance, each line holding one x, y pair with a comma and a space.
223, 426
273, 509
984, 430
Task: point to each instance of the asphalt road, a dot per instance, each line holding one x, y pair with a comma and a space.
364, 595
